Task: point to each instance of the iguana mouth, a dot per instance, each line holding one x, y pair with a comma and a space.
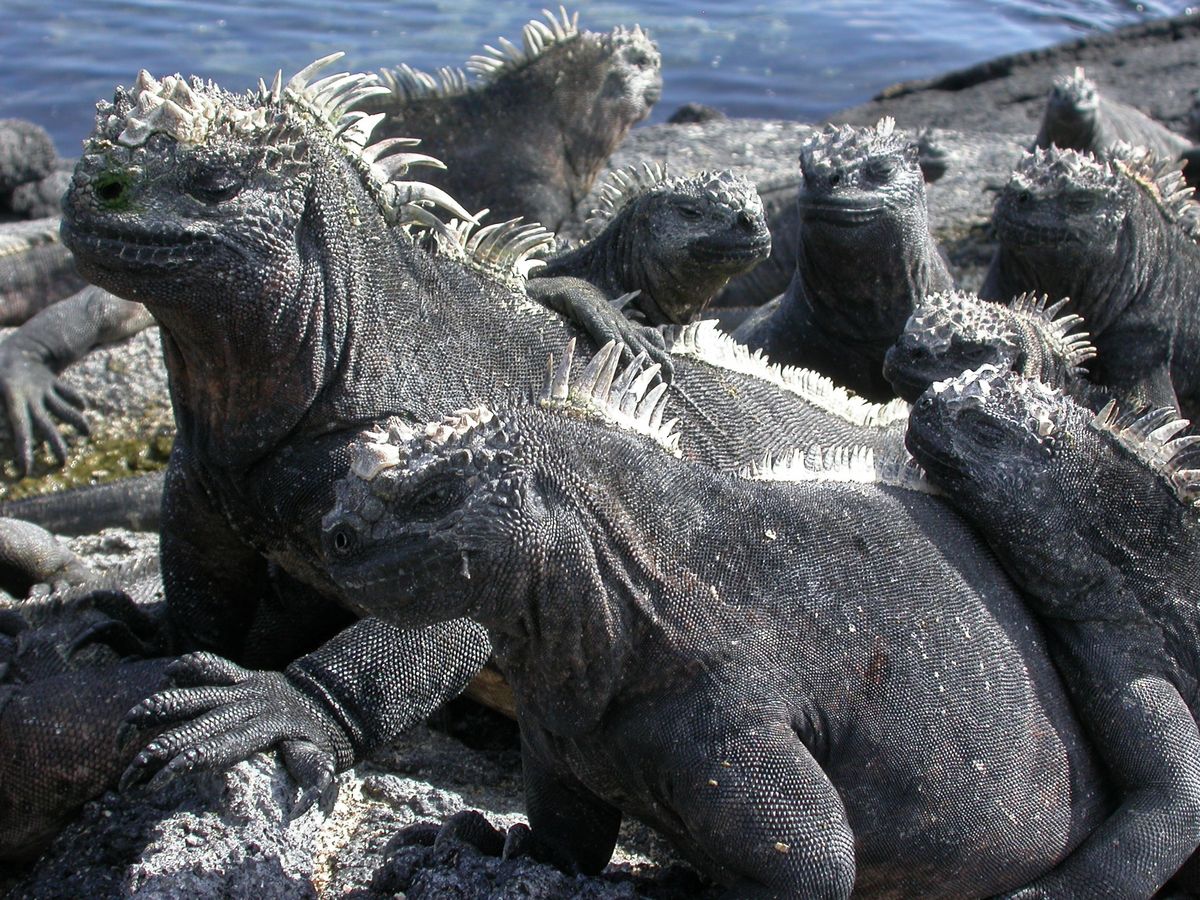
715, 252
840, 212
111, 248
931, 456
1017, 230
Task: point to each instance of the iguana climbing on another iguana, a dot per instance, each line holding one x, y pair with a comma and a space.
528, 136
733, 660
954, 331
1094, 515
675, 240
864, 258
268, 238
1118, 237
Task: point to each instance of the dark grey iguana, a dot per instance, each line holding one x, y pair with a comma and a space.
1117, 236
72, 663
530, 134
36, 270
1079, 117
676, 240
27, 155
791, 680
268, 238
954, 331
864, 258
1094, 515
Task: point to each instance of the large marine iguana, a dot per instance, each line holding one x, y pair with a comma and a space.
732, 660
1079, 117
1117, 236
676, 240
864, 258
266, 228
530, 134
1094, 515
954, 331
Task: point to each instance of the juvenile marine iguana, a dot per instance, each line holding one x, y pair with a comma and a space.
864, 258
1094, 515
262, 229
36, 270
530, 134
638, 602
675, 240
954, 331
1117, 236
1079, 117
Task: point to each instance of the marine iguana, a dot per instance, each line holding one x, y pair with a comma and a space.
1079, 117
528, 136
27, 154
732, 660
266, 228
675, 240
72, 663
1117, 236
864, 258
1094, 515
954, 331
36, 270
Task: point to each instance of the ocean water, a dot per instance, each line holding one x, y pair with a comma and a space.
771, 60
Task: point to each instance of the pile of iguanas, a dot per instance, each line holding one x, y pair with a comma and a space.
724, 597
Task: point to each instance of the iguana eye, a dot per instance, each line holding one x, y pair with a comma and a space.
689, 212
212, 184
438, 497
880, 168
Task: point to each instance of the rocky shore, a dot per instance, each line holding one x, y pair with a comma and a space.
234, 833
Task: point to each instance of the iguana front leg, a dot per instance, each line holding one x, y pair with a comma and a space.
32, 357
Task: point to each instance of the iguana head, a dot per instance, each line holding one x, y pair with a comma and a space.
1071, 110
188, 194
1055, 486
687, 235
954, 331
865, 179
438, 521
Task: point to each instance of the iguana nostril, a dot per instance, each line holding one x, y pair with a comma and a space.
111, 188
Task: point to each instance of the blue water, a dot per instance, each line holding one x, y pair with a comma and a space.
762, 59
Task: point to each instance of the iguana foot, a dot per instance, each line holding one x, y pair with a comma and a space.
468, 826
33, 397
31, 555
218, 713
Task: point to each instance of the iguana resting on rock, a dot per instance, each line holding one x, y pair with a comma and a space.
677, 240
530, 134
36, 270
864, 258
637, 601
267, 237
954, 331
1118, 237
1079, 117
1094, 515
72, 663
27, 154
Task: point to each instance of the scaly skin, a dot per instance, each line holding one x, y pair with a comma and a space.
677, 241
529, 136
950, 333
1083, 510
864, 258
27, 154
736, 662
1118, 238
293, 310
36, 270
1079, 117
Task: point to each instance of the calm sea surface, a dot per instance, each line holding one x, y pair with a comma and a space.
778, 60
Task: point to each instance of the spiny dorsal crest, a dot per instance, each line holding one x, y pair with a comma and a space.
408, 83
1151, 436
622, 398
503, 251
1076, 90
852, 464
839, 149
1059, 331
706, 342
536, 36
1162, 181
618, 188
1056, 169
193, 113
